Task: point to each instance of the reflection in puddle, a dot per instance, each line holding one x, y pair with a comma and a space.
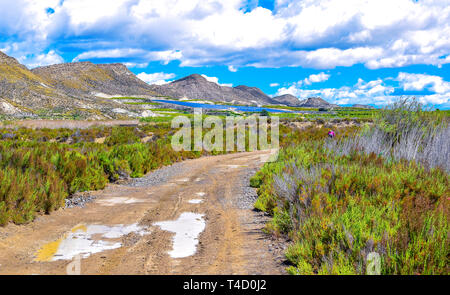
118, 200
80, 241
186, 228
195, 201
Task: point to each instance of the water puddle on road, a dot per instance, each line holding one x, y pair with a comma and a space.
183, 180
234, 166
195, 201
81, 240
187, 228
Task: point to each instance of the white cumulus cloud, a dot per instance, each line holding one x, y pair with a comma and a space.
43, 59
422, 81
315, 78
232, 69
156, 78
319, 34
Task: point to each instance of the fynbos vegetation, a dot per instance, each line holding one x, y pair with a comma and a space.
383, 189
39, 169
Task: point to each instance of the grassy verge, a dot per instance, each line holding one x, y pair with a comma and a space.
383, 189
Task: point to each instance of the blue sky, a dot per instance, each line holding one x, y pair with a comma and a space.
353, 51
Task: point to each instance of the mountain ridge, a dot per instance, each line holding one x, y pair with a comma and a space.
30, 93
85, 89
316, 102
287, 99
86, 78
196, 86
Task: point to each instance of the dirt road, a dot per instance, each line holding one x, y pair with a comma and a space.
194, 217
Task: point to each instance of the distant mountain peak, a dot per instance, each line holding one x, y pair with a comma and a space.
196, 86
192, 77
248, 88
86, 79
287, 99
310, 102
6, 59
255, 91
315, 101
69, 88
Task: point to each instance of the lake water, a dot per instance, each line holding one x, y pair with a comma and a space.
221, 107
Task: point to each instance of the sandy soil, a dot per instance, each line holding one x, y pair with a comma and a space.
231, 241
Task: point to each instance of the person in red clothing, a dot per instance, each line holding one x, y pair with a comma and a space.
331, 133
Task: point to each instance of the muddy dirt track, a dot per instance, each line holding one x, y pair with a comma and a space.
195, 217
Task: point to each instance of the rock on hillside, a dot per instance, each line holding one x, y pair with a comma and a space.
197, 87
88, 79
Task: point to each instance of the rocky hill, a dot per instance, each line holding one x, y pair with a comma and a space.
197, 87
311, 102
258, 93
60, 90
23, 93
88, 79
84, 90
287, 99
316, 102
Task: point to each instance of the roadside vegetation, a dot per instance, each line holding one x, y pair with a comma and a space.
380, 188
39, 169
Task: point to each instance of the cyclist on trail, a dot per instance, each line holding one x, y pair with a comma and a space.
331, 134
